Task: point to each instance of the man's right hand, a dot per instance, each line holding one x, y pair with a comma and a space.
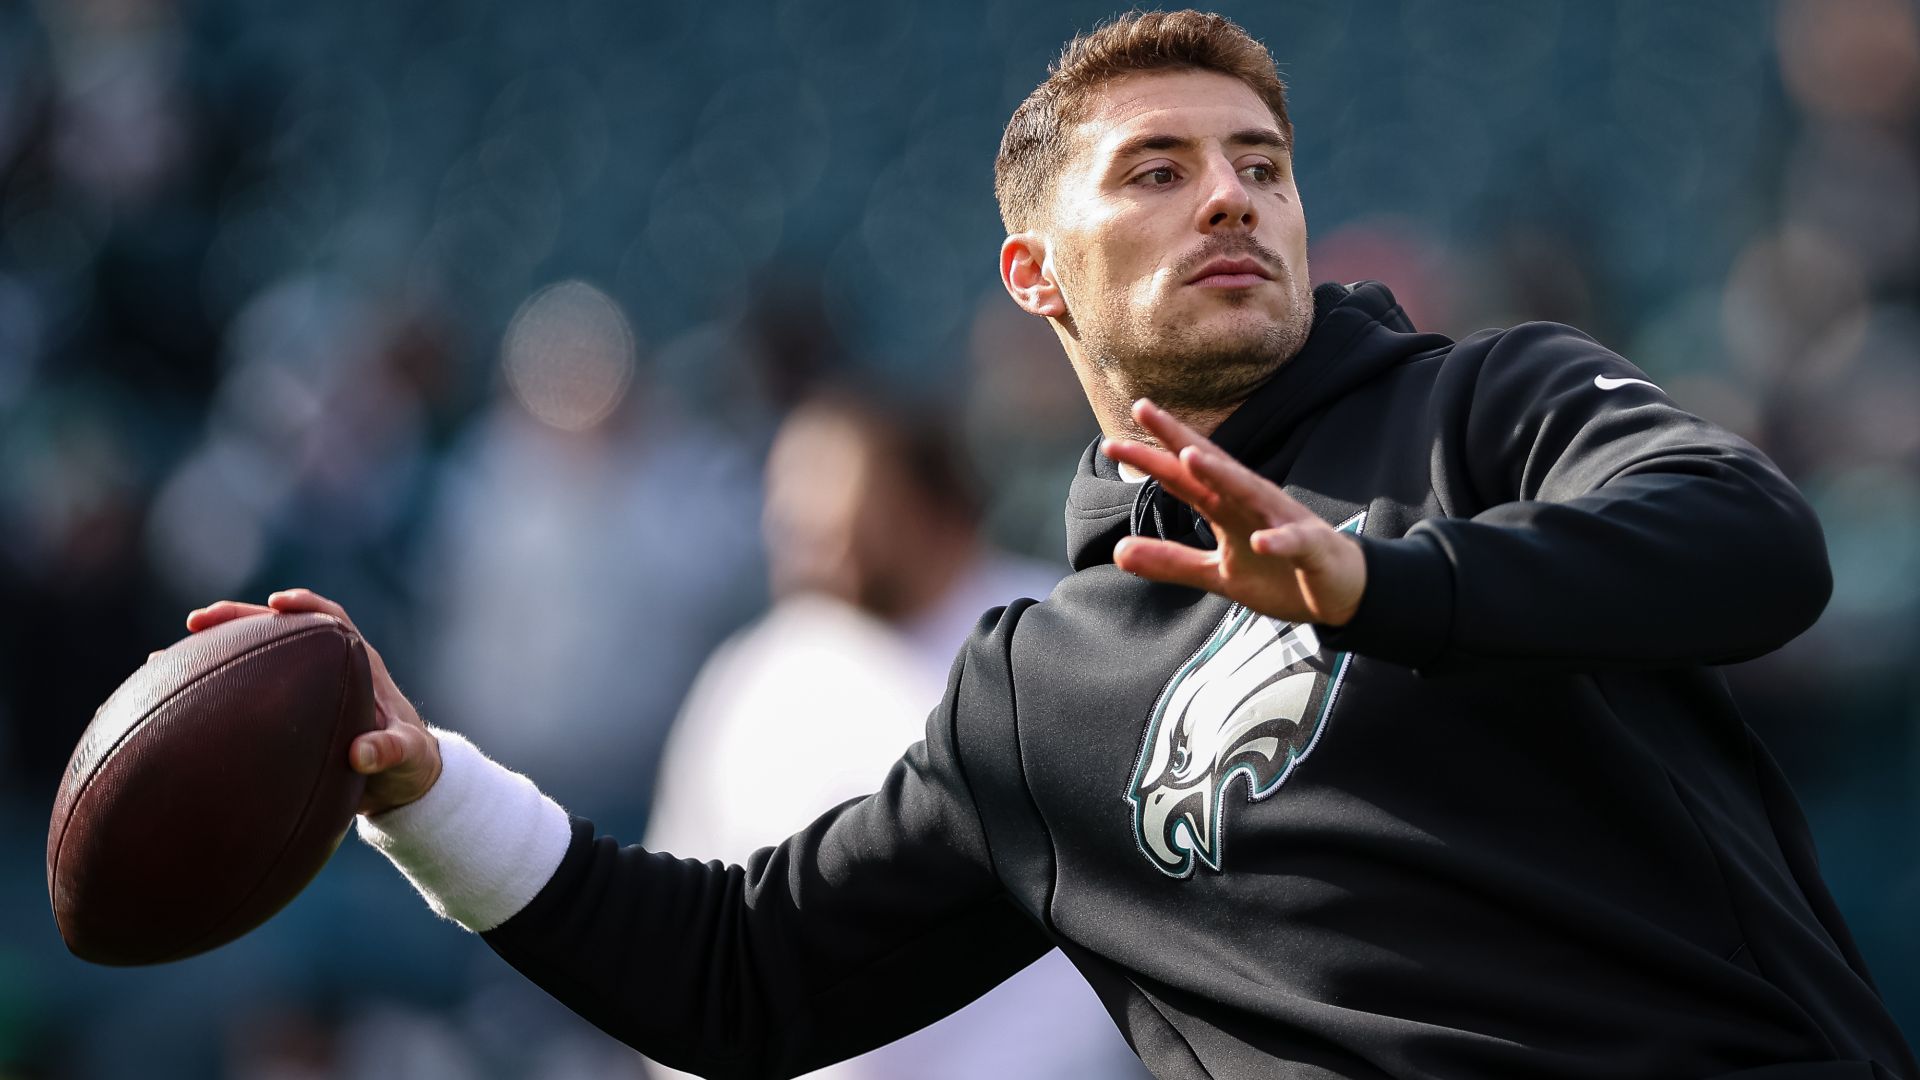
400, 758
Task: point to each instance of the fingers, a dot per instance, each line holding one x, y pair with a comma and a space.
1163, 464
408, 752
1227, 493
402, 759
1168, 428
378, 751
1204, 476
401, 764
1164, 467
1148, 459
1307, 544
221, 611
307, 600
1275, 555
1332, 567
285, 600
1242, 488
1165, 560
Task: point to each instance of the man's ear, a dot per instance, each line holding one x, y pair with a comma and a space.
1028, 275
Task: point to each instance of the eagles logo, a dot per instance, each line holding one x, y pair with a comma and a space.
1253, 701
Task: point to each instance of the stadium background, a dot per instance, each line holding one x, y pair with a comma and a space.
341, 294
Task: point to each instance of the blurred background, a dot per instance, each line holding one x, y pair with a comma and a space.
481, 317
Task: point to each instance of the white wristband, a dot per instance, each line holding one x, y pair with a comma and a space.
480, 844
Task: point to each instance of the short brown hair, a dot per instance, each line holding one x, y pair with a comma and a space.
1035, 145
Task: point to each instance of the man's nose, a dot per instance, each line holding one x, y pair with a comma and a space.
1229, 205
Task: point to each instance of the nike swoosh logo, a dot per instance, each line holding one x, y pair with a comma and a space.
1605, 383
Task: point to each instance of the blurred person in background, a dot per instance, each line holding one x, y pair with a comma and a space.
1025, 420
547, 619
1811, 346
878, 570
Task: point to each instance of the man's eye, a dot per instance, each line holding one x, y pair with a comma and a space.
1261, 174
1159, 177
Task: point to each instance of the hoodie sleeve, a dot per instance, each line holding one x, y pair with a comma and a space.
881, 917
1601, 526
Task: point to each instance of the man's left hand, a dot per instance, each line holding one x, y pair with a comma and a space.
1273, 554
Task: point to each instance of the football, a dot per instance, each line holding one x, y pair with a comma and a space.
209, 789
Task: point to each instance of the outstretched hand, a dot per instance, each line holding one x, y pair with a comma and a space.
1273, 554
400, 758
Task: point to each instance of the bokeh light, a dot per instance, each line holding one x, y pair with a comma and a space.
569, 355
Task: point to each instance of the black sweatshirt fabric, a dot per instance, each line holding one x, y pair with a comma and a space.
1507, 822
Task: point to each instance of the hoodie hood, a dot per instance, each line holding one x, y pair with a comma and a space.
1358, 332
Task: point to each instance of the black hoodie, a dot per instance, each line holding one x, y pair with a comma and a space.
1505, 822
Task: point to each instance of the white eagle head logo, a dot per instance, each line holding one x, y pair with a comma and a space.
1252, 701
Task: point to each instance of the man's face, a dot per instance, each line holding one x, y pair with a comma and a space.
842, 518
1178, 240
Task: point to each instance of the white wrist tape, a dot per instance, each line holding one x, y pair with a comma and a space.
480, 843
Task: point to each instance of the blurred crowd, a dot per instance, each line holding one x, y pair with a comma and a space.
484, 318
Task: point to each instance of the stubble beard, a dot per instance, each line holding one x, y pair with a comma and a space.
1184, 368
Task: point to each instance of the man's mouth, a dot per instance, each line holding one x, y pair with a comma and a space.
1240, 273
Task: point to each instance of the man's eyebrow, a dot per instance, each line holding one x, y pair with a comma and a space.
1263, 137
1141, 144
1247, 137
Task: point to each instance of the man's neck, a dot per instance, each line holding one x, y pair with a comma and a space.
1112, 402
1204, 421
1116, 419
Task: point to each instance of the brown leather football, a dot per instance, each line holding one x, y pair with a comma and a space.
209, 789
